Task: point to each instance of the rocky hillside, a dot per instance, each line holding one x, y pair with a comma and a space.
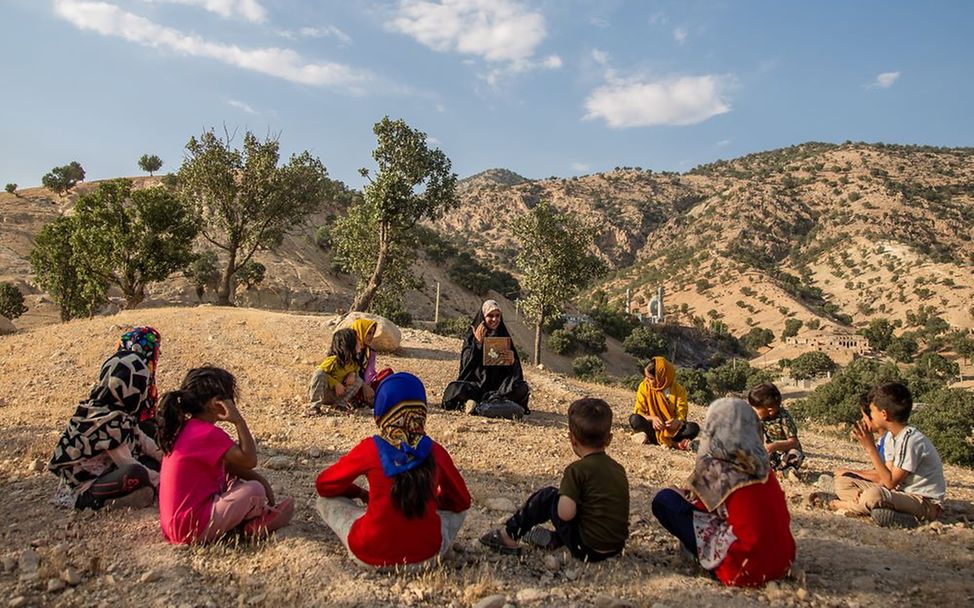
832, 235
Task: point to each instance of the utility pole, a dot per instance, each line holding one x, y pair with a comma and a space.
436, 308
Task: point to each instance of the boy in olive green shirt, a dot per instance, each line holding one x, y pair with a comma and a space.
590, 511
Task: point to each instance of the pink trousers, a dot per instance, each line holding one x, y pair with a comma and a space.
243, 500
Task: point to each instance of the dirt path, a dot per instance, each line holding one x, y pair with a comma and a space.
122, 560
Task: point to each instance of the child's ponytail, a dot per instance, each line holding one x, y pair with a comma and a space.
412, 490
199, 386
175, 408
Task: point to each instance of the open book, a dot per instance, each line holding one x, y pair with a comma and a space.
498, 351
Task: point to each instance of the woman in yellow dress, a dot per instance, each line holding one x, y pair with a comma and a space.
661, 407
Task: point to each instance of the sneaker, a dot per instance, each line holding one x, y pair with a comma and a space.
469, 406
888, 518
139, 499
542, 537
276, 518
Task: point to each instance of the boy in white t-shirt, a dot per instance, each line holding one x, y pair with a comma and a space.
906, 484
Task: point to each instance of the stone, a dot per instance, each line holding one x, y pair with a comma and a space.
491, 601
37, 465
278, 463
638, 438
388, 337
314, 453
6, 326
29, 561
801, 594
71, 576
9, 563
149, 577
552, 563
531, 594
571, 574
54, 585
17, 602
500, 504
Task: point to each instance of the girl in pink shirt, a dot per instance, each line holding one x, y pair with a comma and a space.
208, 486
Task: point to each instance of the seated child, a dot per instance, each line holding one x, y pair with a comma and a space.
590, 511
416, 501
661, 407
208, 486
336, 381
734, 518
906, 483
780, 432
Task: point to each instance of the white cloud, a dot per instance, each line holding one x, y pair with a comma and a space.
251, 10
580, 167
109, 20
639, 101
599, 22
327, 31
502, 33
658, 18
440, 107
680, 35
242, 106
723, 143
884, 80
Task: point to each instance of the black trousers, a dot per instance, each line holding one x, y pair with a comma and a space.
542, 507
458, 392
113, 484
689, 430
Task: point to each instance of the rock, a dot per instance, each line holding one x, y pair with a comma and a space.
638, 438
150, 577
552, 563
491, 601
71, 576
9, 563
801, 594
6, 326
531, 594
499, 504
314, 453
278, 463
388, 337
37, 465
54, 585
17, 602
29, 561
571, 574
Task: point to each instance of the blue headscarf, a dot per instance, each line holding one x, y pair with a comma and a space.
400, 413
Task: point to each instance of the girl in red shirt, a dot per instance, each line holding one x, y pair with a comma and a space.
734, 518
416, 501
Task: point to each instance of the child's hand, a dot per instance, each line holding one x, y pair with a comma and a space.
229, 412
673, 425
769, 447
339, 389
863, 434
657, 423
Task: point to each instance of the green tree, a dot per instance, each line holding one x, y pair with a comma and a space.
63, 272
63, 178
555, 260
613, 320
963, 345
562, 341
837, 401
945, 418
11, 301
930, 373
245, 199
150, 163
729, 377
811, 365
879, 332
589, 367
251, 274
204, 272
11, 188
644, 343
590, 337
757, 337
903, 348
791, 328
133, 238
695, 382
412, 182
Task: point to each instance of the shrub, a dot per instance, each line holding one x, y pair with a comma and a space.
756, 338
695, 382
589, 337
323, 237
562, 341
10, 188
644, 343
903, 348
203, 272
456, 327
946, 419
11, 301
731, 377
702, 285
614, 322
837, 401
791, 328
588, 367
931, 373
251, 274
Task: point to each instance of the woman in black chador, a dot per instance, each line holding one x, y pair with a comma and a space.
497, 389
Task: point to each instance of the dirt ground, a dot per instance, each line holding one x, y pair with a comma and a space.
120, 558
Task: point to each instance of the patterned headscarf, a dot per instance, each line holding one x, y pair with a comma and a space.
106, 420
400, 413
488, 306
732, 453
144, 342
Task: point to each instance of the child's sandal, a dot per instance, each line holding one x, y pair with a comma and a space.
493, 540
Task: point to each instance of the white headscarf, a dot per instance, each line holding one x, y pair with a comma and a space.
488, 306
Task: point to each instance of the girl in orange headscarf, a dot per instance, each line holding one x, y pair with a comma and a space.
661, 407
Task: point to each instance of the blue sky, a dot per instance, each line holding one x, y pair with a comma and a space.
555, 87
